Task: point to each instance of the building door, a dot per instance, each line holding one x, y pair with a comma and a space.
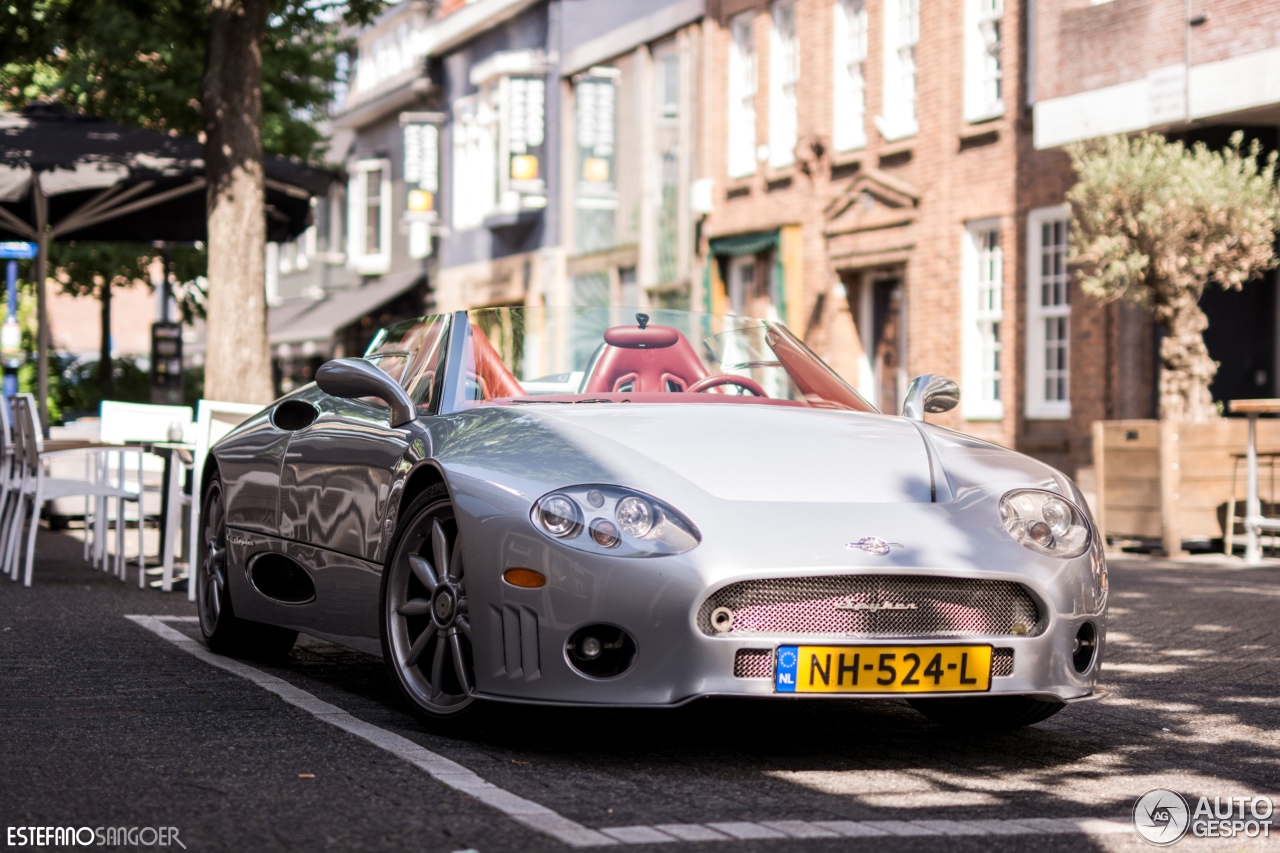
881, 322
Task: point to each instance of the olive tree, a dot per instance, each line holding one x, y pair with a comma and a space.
1154, 222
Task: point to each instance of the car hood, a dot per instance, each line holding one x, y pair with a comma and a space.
730, 451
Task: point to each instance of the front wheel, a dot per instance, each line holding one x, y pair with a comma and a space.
987, 713
426, 624
222, 630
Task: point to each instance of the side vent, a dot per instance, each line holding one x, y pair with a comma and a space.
519, 637
281, 579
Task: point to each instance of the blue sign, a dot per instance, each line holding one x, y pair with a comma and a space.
784, 680
17, 250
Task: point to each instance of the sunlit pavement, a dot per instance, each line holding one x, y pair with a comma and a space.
106, 723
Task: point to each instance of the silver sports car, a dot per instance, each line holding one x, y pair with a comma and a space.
601, 506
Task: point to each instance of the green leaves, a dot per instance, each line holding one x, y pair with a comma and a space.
1151, 217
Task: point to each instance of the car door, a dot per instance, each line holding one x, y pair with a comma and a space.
338, 470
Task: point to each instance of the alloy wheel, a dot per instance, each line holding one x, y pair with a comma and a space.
212, 572
427, 617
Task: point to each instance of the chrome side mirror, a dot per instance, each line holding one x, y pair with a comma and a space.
356, 377
932, 393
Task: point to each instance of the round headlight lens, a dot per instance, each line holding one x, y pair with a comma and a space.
559, 516
1045, 522
635, 516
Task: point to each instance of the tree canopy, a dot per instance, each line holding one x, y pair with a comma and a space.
140, 63
1153, 222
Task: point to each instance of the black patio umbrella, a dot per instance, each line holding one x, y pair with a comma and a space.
68, 176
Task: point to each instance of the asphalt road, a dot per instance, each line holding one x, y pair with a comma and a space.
106, 723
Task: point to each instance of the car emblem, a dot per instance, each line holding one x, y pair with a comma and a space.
875, 608
874, 545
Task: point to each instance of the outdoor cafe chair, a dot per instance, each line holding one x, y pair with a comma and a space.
104, 479
214, 419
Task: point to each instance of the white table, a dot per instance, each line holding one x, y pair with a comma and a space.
1254, 522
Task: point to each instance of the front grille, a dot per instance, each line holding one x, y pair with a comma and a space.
871, 606
753, 663
1001, 662
758, 663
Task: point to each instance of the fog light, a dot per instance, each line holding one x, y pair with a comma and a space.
600, 651
1084, 647
722, 619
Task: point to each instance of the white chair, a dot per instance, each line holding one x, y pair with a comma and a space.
214, 419
104, 479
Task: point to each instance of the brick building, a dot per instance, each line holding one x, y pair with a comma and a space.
887, 177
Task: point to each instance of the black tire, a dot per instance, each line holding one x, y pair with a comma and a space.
426, 629
987, 713
222, 630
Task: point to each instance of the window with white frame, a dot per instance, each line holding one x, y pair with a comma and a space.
1048, 315
982, 291
901, 34
849, 129
983, 84
742, 97
369, 216
784, 72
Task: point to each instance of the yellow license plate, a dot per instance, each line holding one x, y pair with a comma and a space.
882, 669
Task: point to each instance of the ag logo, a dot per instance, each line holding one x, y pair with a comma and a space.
1161, 817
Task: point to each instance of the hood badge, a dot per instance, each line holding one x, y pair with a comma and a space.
876, 607
873, 545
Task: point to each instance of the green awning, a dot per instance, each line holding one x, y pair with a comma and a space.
745, 244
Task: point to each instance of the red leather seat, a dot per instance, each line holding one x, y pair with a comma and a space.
653, 360
486, 365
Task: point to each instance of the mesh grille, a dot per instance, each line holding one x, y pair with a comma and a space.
753, 663
864, 606
1001, 662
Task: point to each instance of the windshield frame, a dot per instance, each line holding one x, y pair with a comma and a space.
451, 397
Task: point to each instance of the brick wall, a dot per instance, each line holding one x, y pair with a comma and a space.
1080, 46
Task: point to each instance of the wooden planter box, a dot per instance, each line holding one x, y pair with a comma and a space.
1170, 481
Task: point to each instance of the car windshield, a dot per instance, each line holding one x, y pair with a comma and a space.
535, 355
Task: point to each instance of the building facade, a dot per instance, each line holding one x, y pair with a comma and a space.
887, 177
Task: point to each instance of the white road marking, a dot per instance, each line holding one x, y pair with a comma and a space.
574, 834
437, 766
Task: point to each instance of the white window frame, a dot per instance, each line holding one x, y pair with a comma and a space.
784, 77
901, 35
849, 114
983, 75
742, 94
1039, 404
982, 315
357, 258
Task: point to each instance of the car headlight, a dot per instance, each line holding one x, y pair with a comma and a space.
615, 521
1045, 522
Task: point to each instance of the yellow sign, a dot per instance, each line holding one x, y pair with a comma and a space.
883, 669
421, 201
595, 170
524, 167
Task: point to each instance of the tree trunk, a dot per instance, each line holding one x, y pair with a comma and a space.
106, 380
238, 363
1185, 366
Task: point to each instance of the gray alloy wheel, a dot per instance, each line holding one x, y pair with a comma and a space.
211, 577
426, 625
223, 632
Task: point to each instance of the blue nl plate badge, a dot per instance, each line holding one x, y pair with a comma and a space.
784, 670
